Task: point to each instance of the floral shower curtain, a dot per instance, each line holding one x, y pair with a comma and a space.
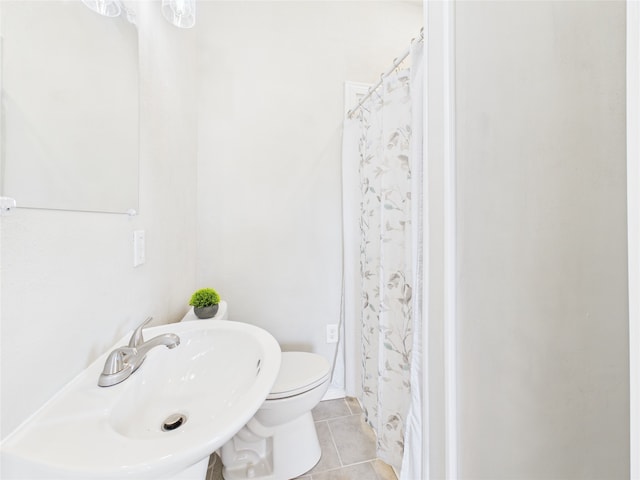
388, 150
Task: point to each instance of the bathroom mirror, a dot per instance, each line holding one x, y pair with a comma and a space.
69, 107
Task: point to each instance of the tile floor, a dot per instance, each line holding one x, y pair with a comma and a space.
348, 446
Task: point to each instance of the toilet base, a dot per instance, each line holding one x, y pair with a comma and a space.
272, 453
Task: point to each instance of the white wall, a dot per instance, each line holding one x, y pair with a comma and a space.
543, 320
272, 82
69, 289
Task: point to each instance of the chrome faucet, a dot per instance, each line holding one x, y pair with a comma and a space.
123, 361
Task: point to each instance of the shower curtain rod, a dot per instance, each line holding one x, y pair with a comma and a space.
396, 62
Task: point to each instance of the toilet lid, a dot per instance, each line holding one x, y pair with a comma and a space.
299, 372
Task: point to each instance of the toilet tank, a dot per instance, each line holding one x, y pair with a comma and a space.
222, 314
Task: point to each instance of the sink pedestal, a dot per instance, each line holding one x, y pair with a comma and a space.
194, 472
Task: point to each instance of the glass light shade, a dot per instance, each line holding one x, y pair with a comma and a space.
182, 13
108, 8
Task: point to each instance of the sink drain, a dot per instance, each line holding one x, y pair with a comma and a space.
173, 421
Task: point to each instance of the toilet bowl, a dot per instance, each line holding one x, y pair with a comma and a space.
280, 441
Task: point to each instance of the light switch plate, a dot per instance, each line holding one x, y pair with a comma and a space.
138, 248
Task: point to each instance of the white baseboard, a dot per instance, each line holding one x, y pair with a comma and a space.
334, 393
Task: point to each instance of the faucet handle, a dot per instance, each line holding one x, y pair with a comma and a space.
116, 368
137, 338
116, 360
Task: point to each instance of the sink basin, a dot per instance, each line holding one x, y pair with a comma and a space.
171, 414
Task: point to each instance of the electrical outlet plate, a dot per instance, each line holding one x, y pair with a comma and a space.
332, 333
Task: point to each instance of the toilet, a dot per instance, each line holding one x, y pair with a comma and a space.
280, 441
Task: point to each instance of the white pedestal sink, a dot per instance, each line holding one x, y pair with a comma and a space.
206, 389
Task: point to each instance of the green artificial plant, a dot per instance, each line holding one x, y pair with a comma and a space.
205, 297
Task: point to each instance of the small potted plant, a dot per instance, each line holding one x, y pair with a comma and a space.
205, 302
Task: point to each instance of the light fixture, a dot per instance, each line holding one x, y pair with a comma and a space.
182, 13
108, 8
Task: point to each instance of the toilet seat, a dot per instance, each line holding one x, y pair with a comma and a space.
299, 373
